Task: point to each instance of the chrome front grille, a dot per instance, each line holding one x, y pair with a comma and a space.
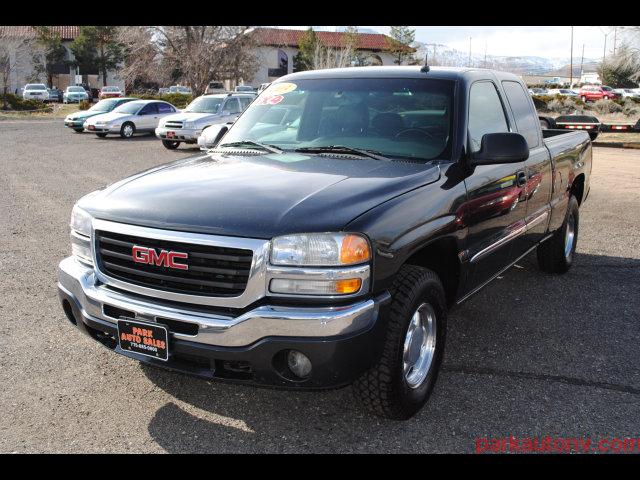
174, 124
207, 270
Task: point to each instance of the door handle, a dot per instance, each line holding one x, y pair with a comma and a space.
522, 179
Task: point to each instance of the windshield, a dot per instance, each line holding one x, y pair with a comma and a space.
396, 117
131, 107
204, 105
75, 89
111, 89
35, 86
105, 105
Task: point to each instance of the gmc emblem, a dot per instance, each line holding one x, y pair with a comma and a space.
163, 259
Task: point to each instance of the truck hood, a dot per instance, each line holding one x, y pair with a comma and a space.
190, 117
257, 196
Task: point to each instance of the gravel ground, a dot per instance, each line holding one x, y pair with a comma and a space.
531, 355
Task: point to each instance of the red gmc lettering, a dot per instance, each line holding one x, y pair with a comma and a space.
164, 258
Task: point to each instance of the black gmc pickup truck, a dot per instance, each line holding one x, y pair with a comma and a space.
322, 237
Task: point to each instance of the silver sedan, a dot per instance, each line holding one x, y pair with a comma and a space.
139, 116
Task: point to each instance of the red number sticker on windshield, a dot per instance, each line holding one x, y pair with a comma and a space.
269, 100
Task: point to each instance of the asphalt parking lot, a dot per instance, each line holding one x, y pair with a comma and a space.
531, 355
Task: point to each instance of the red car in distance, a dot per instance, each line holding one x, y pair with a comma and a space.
110, 92
592, 93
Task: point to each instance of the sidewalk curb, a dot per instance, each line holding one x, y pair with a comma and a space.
633, 145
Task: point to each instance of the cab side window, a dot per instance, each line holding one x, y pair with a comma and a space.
232, 106
523, 112
486, 114
244, 102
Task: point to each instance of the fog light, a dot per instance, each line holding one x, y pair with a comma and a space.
298, 363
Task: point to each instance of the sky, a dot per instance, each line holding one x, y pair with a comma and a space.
548, 42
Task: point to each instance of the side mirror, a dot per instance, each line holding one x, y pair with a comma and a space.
501, 148
212, 135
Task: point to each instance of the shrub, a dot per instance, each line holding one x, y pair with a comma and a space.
84, 105
607, 106
176, 99
14, 102
565, 105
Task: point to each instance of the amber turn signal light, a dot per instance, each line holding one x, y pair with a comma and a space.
350, 285
355, 249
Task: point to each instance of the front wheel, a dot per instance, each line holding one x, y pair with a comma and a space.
127, 130
101, 135
170, 144
401, 382
584, 99
78, 130
556, 254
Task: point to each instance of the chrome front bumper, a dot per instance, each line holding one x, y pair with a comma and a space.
181, 134
80, 284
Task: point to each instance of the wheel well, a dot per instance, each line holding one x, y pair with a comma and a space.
441, 256
577, 188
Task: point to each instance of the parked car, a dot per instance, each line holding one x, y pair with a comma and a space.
326, 251
163, 91
609, 93
201, 113
76, 120
215, 87
180, 89
110, 92
55, 94
74, 94
592, 93
263, 86
540, 91
35, 91
565, 92
245, 88
139, 116
627, 92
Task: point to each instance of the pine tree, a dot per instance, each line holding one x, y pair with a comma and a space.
400, 38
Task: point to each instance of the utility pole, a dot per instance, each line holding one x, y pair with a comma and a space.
571, 62
434, 53
604, 53
615, 36
469, 51
582, 61
485, 54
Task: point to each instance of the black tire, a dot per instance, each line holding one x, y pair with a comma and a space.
383, 390
170, 144
593, 135
101, 135
125, 132
551, 253
78, 130
584, 99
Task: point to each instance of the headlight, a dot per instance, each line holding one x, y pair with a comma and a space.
190, 125
81, 235
320, 250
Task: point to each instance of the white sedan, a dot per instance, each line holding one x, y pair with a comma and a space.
628, 92
35, 91
139, 116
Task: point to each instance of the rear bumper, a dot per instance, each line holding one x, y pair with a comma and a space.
341, 342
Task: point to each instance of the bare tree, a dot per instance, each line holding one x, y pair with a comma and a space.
13, 52
142, 57
198, 54
331, 57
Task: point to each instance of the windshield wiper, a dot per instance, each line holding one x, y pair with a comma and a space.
342, 149
263, 146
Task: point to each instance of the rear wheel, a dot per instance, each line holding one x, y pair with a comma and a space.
556, 254
170, 144
78, 130
400, 383
127, 130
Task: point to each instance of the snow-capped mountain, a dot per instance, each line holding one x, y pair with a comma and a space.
443, 55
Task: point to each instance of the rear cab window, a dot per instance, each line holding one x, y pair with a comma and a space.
526, 120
